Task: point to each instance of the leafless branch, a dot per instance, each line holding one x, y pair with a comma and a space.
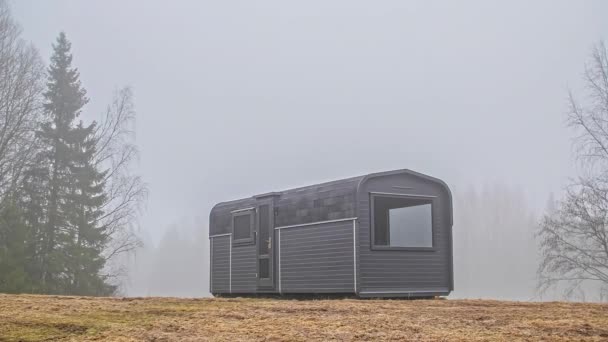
116, 153
574, 237
21, 71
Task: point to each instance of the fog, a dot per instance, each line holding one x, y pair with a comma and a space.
240, 98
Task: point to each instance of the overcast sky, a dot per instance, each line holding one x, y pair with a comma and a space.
236, 98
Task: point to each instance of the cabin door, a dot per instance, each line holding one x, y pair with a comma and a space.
264, 243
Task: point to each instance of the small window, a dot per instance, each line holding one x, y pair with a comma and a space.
264, 271
402, 222
242, 227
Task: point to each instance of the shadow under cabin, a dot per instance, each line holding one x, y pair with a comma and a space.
386, 234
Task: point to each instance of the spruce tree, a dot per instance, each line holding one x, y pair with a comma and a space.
64, 100
88, 237
65, 190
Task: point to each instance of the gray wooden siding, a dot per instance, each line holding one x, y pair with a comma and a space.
244, 278
220, 264
404, 271
317, 258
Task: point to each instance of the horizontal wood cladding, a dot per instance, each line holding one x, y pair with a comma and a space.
312, 262
220, 264
244, 277
403, 270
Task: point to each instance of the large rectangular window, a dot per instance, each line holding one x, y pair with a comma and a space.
242, 227
402, 221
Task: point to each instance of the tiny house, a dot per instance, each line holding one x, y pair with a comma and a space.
386, 234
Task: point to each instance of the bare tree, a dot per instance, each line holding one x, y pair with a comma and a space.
574, 234
126, 191
21, 71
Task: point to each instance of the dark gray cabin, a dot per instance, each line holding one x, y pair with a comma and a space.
386, 234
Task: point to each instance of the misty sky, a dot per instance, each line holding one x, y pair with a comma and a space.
236, 98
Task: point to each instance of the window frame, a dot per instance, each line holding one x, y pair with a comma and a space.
373, 246
249, 240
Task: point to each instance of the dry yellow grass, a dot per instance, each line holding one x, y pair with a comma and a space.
49, 318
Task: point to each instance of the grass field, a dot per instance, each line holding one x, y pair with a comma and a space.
49, 318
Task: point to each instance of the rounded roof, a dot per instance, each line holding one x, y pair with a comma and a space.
354, 183
415, 174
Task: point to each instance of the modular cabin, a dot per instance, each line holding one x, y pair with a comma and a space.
386, 234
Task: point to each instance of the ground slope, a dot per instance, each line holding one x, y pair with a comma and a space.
37, 318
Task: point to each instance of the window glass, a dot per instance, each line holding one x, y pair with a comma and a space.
242, 227
402, 222
264, 229
410, 226
264, 269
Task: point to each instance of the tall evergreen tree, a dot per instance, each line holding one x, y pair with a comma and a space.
65, 98
65, 190
88, 236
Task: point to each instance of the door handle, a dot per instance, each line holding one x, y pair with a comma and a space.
269, 243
